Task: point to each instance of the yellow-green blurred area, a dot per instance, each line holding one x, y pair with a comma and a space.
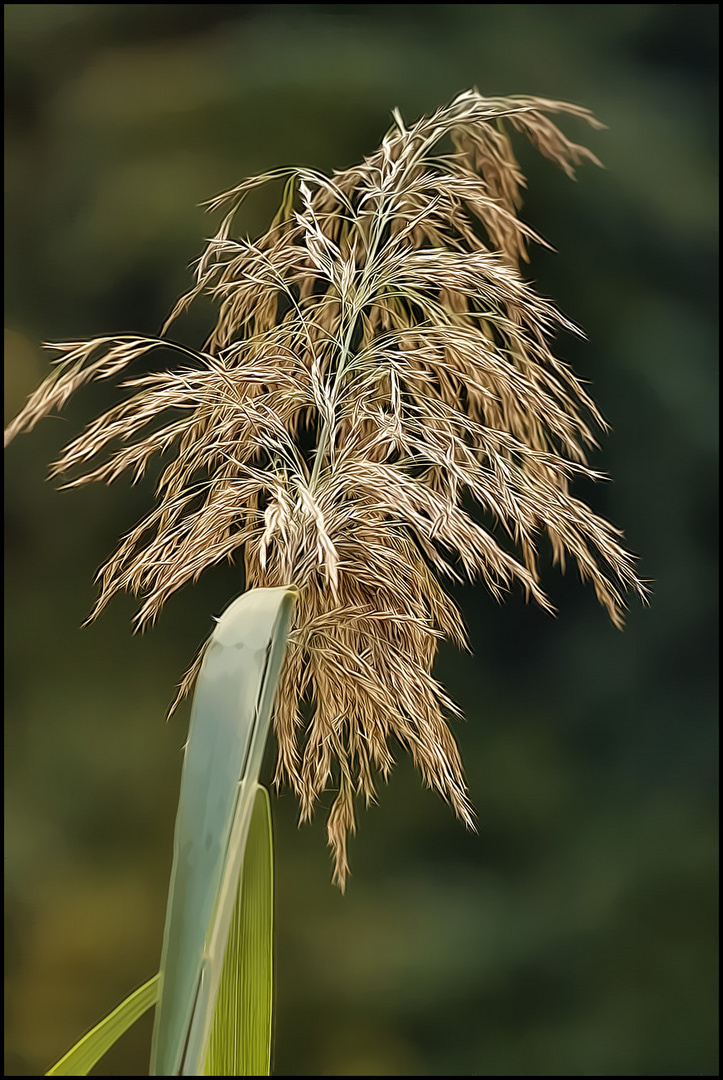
575, 934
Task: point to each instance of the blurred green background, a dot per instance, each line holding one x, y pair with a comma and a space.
576, 934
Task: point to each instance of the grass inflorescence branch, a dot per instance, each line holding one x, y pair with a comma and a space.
377, 362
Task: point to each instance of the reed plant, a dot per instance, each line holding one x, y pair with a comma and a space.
377, 408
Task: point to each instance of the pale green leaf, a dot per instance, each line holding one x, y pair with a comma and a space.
229, 725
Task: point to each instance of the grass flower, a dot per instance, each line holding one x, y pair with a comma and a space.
379, 379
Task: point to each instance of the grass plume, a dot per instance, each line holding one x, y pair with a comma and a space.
377, 359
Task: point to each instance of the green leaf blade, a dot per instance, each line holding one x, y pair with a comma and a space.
229, 725
88, 1051
240, 1039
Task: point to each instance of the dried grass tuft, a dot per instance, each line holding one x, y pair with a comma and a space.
382, 323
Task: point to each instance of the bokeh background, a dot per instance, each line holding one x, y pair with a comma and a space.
576, 933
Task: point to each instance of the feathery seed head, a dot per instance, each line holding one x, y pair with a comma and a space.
382, 315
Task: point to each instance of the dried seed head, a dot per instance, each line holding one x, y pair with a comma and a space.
382, 319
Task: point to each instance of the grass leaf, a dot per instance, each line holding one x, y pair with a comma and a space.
240, 1040
229, 724
90, 1049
